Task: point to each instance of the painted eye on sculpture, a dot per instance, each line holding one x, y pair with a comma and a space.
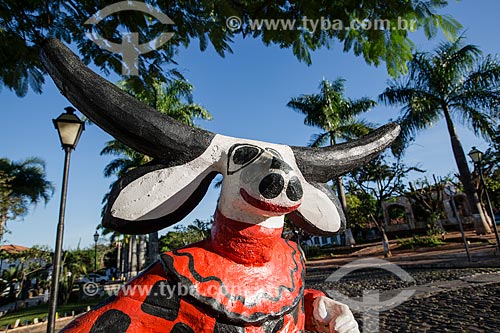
245, 154
241, 155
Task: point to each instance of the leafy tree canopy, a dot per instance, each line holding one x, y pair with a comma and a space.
361, 207
380, 179
24, 24
333, 113
185, 235
22, 184
455, 79
457, 83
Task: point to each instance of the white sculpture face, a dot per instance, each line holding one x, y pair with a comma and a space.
260, 184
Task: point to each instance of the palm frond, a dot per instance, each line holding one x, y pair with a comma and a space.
453, 60
117, 148
484, 99
480, 123
119, 167
420, 70
329, 110
319, 140
311, 107
486, 74
357, 106
355, 129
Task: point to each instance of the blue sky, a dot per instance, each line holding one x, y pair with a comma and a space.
246, 92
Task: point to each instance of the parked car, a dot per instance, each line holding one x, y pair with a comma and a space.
96, 278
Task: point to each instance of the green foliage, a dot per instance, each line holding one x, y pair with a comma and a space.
381, 180
24, 24
66, 282
454, 79
332, 112
360, 209
427, 201
22, 184
185, 235
26, 265
491, 171
455, 83
174, 99
421, 241
41, 311
335, 115
79, 261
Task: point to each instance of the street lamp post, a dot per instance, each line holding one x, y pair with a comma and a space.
477, 157
69, 127
96, 238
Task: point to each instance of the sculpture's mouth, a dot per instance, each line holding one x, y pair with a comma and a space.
267, 206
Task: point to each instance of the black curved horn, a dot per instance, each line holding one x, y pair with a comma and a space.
125, 118
326, 163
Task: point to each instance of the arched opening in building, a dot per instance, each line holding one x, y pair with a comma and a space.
397, 214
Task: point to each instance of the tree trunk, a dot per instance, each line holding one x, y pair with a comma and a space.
141, 252
123, 259
349, 239
342, 199
3, 222
118, 258
153, 247
385, 240
128, 258
133, 254
481, 225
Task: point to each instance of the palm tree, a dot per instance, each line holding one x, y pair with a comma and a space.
455, 83
336, 116
174, 99
22, 184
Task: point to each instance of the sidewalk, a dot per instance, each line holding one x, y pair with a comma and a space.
483, 249
42, 327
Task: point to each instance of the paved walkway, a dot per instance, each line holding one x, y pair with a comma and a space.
483, 250
466, 305
449, 294
41, 327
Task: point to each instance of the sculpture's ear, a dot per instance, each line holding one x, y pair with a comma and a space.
151, 198
320, 212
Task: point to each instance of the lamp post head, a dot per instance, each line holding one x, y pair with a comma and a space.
96, 236
476, 155
69, 127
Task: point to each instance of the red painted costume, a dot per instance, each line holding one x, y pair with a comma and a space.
245, 278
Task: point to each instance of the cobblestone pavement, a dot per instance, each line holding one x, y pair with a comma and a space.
446, 300
471, 309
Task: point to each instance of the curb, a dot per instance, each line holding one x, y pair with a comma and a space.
31, 327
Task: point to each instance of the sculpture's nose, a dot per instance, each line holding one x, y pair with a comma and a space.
294, 189
271, 185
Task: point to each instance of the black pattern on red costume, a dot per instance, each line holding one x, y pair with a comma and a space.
162, 309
